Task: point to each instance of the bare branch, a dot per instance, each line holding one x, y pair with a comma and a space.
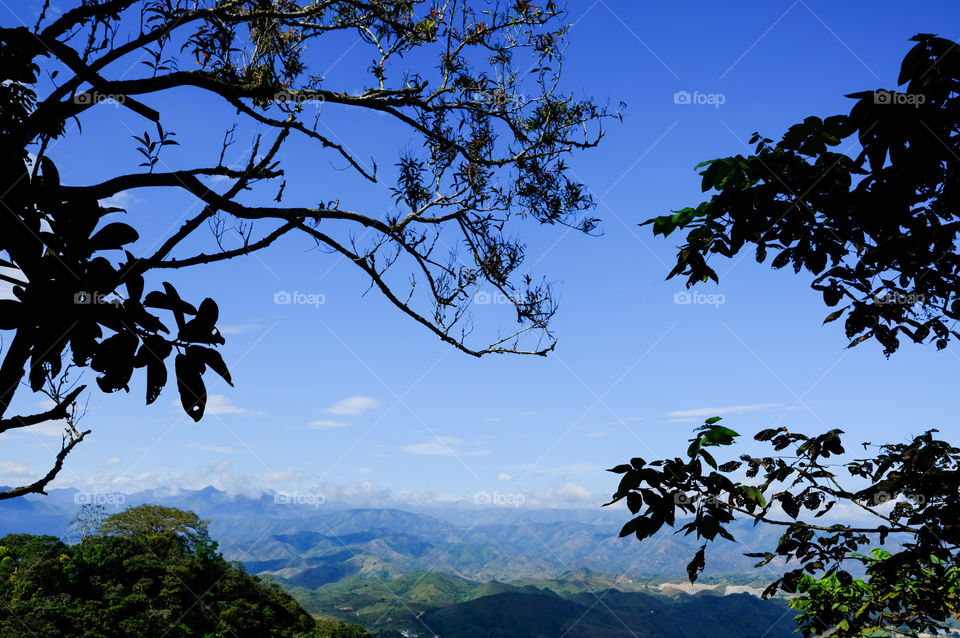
60, 411
39, 486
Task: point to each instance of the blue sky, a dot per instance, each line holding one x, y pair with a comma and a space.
350, 398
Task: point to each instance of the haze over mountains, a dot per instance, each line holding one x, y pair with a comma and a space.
312, 544
462, 572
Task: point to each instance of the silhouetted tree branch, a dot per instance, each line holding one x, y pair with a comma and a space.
489, 153
879, 233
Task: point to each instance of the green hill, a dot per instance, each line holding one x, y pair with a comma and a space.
609, 615
154, 572
578, 603
511, 615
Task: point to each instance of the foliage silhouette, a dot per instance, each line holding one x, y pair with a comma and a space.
878, 230
492, 151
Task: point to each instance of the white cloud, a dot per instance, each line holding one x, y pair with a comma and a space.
239, 328
323, 424
218, 449
563, 472
289, 474
14, 469
353, 406
112, 461
730, 409
504, 476
220, 404
492, 419
216, 404
443, 446
437, 449
51, 428
575, 491
123, 199
427, 499
596, 434
219, 474
364, 470
223, 475
566, 495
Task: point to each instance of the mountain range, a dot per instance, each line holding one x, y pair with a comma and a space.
312, 545
480, 572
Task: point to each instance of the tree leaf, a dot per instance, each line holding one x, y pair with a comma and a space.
193, 393
212, 358
113, 236
695, 566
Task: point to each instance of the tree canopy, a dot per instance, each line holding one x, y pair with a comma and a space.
139, 584
489, 155
877, 229
151, 520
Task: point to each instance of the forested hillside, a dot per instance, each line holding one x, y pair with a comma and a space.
149, 571
579, 604
154, 570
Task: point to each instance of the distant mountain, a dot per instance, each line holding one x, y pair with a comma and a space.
462, 572
309, 546
387, 543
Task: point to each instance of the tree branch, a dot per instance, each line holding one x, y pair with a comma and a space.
39, 487
53, 414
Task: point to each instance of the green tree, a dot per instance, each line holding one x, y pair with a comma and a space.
144, 580
487, 153
152, 520
878, 231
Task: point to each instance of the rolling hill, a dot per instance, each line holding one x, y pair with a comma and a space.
580, 604
311, 546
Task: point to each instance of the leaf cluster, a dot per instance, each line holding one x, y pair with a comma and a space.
865, 202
